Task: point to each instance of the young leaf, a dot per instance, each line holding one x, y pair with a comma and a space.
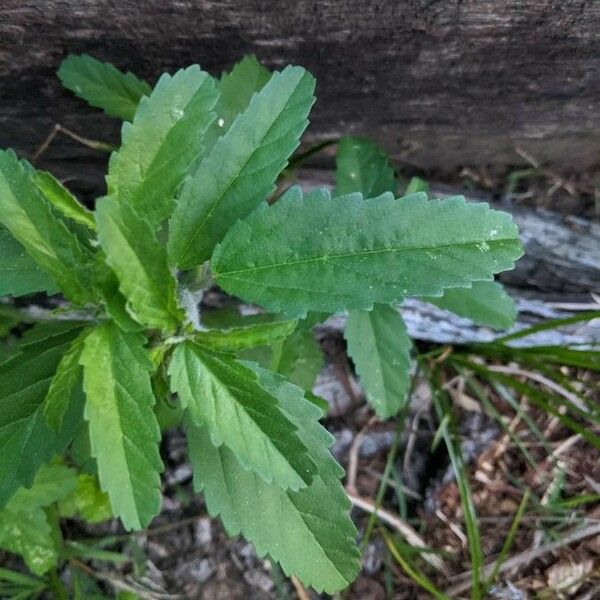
25, 439
223, 394
249, 332
308, 531
102, 85
124, 433
62, 199
485, 303
140, 262
86, 500
236, 89
379, 345
63, 383
24, 528
19, 274
30, 219
362, 166
162, 143
323, 254
241, 170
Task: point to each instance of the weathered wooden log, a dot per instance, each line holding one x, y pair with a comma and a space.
429, 323
440, 84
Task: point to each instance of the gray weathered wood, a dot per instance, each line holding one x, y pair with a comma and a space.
440, 84
428, 323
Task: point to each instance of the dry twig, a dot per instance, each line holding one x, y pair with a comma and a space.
524, 558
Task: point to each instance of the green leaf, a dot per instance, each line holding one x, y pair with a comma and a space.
308, 531
52, 483
298, 358
124, 433
62, 199
19, 579
29, 534
362, 166
24, 528
80, 451
44, 330
19, 274
322, 254
485, 303
86, 500
102, 85
248, 332
241, 170
26, 442
379, 345
30, 219
305, 416
416, 184
63, 383
378, 342
223, 394
140, 262
114, 301
162, 143
236, 89
8, 320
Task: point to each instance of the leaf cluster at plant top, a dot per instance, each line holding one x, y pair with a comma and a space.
185, 208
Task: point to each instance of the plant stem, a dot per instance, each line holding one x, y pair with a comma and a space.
57, 587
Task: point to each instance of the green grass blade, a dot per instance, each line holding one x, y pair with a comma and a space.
416, 575
510, 538
442, 407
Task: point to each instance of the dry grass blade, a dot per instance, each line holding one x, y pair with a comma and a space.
299, 589
539, 378
405, 530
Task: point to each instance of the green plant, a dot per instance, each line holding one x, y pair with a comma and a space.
87, 392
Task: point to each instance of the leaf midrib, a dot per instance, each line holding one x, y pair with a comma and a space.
327, 257
153, 283
116, 385
198, 229
249, 412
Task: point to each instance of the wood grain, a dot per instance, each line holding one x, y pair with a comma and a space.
440, 84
